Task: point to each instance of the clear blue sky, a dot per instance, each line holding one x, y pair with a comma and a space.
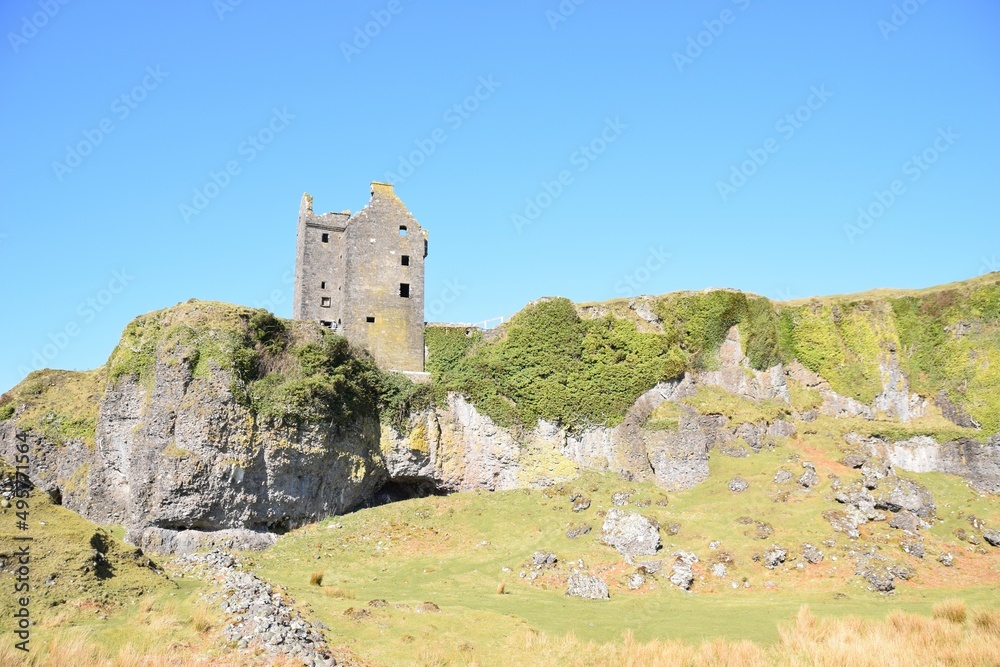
666, 121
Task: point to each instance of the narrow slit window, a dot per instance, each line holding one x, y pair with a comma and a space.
404, 290
325, 238
405, 260
322, 285
325, 302
370, 320
402, 230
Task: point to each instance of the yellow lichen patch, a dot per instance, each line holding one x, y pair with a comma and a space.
541, 460
418, 438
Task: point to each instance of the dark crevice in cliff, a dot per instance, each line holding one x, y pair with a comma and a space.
405, 488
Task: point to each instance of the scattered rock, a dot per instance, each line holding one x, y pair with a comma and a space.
620, 499
427, 607
842, 523
835, 482
992, 537
738, 485
577, 530
630, 534
378, 603
587, 587
636, 581
782, 476
649, 566
543, 559
580, 503
811, 554
662, 502
854, 460
781, 497
682, 576
262, 620
774, 557
897, 494
719, 570
809, 478
913, 546
947, 560
906, 520
673, 528
763, 530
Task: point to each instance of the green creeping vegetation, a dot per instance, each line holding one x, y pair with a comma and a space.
551, 364
947, 339
739, 410
58, 405
292, 372
699, 322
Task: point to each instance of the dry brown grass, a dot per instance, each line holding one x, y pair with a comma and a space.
338, 593
316, 579
899, 639
500, 587
951, 610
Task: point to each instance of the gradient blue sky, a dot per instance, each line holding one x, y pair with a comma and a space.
654, 190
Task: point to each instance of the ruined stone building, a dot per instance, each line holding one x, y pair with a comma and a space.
362, 276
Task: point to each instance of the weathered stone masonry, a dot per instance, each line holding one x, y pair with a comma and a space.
362, 276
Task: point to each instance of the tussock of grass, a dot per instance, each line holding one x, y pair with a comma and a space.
951, 610
316, 578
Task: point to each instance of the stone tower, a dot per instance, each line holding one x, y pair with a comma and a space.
362, 276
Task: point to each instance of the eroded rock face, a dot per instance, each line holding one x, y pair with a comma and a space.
977, 462
183, 455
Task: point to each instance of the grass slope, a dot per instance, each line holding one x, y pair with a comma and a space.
452, 551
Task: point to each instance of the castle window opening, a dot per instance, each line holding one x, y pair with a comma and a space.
322, 285
405, 260
328, 325
325, 238
402, 230
404, 290
325, 302
370, 320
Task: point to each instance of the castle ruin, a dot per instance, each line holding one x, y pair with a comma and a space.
362, 276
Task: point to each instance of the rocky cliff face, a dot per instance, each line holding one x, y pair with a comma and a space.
457, 448
177, 452
219, 425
